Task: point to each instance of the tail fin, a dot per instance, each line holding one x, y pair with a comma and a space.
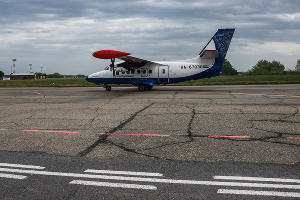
222, 39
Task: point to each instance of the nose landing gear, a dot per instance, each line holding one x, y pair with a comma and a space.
107, 87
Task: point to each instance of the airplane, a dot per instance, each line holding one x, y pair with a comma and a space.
145, 73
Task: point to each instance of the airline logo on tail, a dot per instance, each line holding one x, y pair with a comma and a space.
222, 40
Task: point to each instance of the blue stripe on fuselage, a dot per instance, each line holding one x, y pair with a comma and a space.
211, 72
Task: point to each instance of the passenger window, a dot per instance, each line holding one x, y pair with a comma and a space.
117, 73
184, 67
132, 71
138, 71
181, 67
123, 72
163, 71
150, 71
127, 72
144, 71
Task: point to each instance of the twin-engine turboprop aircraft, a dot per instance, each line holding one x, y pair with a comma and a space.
144, 73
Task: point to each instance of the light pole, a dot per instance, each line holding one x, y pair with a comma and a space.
14, 65
30, 68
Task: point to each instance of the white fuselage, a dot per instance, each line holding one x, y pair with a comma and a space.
165, 69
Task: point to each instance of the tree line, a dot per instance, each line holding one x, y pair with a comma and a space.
262, 67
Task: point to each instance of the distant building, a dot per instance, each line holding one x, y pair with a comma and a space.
22, 76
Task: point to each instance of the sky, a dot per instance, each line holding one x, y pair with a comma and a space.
61, 35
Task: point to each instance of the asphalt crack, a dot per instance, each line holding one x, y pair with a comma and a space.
189, 136
103, 138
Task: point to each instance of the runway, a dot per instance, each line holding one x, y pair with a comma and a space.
223, 125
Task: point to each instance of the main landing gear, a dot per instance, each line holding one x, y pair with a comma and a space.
143, 88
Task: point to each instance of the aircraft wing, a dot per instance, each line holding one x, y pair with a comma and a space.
132, 59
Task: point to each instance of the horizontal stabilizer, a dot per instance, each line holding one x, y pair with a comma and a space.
208, 54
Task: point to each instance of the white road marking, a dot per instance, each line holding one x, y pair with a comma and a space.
153, 180
21, 166
117, 185
123, 172
13, 176
242, 178
235, 93
255, 94
276, 95
260, 193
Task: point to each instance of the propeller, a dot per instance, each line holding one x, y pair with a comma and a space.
112, 66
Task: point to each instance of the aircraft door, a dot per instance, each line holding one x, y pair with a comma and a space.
163, 74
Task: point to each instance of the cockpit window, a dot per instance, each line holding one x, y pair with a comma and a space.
106, 68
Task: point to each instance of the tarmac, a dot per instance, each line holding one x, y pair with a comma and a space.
240, 123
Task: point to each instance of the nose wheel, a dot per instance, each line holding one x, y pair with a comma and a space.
107, 87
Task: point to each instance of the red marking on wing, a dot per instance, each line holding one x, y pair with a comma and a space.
45, 131
155, 135
227, 136
108, 54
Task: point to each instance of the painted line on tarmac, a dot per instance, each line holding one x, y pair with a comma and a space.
117, 185
46, 131
276, 95
244, 178
3, 129
255, 94
295, 138
132, 134
152, 180
259, 193
271, 95
227, 136
12, 176
130, 173
21, 166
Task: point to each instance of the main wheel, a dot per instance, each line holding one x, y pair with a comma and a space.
108, 88
149, 87
141, 88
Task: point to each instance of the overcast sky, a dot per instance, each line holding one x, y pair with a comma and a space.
61, 35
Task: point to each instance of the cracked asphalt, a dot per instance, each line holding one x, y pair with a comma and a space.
263, 122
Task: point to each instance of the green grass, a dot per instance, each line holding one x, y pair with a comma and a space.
219, 80
245, 80
50, 82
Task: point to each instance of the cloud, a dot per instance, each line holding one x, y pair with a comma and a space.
61, 35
